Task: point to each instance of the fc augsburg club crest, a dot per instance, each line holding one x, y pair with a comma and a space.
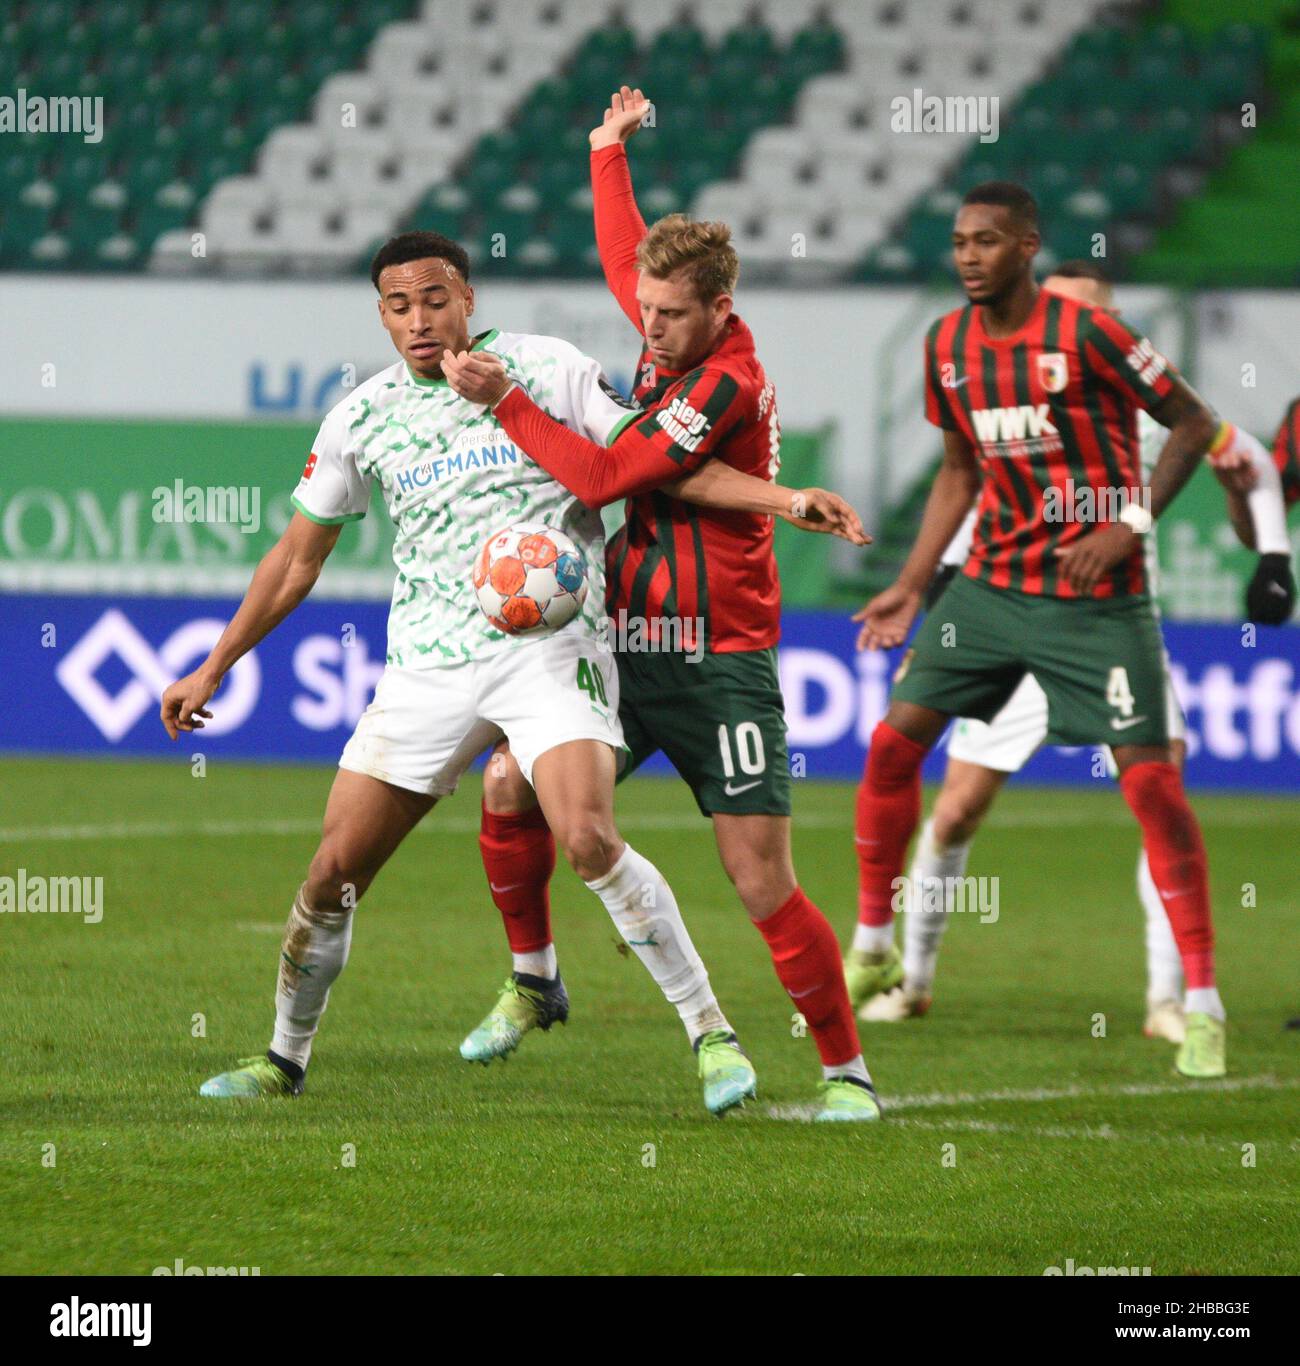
1053, 371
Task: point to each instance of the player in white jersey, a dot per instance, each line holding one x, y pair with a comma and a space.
982, 755
453, 686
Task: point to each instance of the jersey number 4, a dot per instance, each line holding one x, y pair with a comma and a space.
1118, 693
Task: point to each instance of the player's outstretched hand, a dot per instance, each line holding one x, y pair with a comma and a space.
627, 107
887, 618
183, 703
478, 376
1093, 555
826, 512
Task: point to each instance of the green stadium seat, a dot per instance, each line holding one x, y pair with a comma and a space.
1105, 44
820, 47
679, 46
752, 44
611, 44
516, 225
556, 179
929, 239
1126, 188
76, 173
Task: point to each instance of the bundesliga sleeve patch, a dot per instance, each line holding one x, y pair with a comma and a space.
613, 394
309, 466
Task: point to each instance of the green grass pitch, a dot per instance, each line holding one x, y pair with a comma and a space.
1015, 1137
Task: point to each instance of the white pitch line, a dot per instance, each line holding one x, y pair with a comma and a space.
461, 825
1041, 1095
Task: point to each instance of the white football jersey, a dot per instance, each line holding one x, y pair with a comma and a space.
451, 478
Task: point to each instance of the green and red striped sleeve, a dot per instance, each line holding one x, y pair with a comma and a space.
1286, 453
1123, 360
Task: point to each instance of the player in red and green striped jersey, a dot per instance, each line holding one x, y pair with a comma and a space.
713, 705
1037, 396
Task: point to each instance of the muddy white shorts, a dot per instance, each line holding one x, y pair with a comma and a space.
1008, 742
426, 726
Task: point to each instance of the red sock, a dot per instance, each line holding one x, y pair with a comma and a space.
519, 858
806, 956
1176, 854
889, 808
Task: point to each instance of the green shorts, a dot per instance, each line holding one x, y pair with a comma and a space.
720, 720
1100, 662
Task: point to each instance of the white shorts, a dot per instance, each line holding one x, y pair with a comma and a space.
426, 726
1008, 742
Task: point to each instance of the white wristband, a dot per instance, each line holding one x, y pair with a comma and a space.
1137, 518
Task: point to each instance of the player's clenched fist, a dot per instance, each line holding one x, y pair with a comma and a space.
627, 107
887, 618
476, 375
183, 703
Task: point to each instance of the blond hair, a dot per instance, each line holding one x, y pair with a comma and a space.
701, 250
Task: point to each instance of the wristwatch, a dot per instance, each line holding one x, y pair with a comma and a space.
1137, 518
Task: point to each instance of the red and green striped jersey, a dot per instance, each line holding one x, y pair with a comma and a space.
675, 560
672, 559
1053, 406
1286, 453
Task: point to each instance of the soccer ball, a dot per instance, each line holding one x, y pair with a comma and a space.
530, 578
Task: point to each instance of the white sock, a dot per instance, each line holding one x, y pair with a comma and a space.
312, 955
873, 938
1164, 964
1206, 1000
538, 963
926, 912
644, 911
857, 1069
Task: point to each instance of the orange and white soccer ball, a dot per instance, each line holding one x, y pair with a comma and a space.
530, 578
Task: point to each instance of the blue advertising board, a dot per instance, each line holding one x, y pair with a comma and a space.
82, 675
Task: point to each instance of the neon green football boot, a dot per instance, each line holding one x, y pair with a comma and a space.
252, 1077
519, 1008
868, 974
846, 1100
727, 1074
1204, 1052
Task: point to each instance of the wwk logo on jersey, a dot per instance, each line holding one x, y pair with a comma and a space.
1001, 426
686, 427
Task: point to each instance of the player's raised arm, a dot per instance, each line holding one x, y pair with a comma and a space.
887, 618
283, 578
619, 225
